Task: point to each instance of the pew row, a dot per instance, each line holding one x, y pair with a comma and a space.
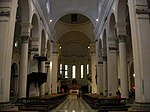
40, 103
104, 104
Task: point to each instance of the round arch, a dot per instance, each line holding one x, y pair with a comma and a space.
77, 30
112, 29
14, 81
35, 26
74, 11
76, 33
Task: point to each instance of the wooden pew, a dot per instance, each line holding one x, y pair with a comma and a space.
40, 103
111, 104
91, 99
104, 104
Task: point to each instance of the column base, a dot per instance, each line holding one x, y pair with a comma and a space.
141, 106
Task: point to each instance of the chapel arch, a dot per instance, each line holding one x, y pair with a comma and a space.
14, 81
112, 29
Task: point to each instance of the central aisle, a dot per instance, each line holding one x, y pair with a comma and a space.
74, 105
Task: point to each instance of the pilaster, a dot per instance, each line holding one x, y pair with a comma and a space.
93, 67
7, 24
55, 66
112, 66
139, 18
123, 67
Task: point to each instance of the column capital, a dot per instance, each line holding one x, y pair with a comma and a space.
112, 39
25, 29
122, 38
104, 58
100, 61
92, 48
121, 27
112, 43
25, 39
56, 48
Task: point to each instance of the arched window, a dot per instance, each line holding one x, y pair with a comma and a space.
66, 71
60, 68
82, 72
87, 69
73, 71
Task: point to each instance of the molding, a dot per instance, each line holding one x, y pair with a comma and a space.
112, 48
142, 11
6, 13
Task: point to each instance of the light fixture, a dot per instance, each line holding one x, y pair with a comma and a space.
96, 19
51, 20
134, 75
59, 47
16, 44
88, 47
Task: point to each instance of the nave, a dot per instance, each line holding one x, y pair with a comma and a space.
74, 105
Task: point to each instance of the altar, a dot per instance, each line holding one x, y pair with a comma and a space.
73, 93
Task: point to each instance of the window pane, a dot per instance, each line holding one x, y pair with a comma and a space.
66, 71
73, 71
60, 68
81, 71
87, 68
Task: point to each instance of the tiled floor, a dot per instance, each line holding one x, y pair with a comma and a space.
74, 105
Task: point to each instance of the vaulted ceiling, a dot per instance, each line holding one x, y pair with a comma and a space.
73, 25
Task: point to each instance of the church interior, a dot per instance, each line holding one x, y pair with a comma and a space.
74, 55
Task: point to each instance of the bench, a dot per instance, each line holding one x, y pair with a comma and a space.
104, 104
40, 103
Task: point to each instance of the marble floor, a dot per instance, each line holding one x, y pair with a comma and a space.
74, 105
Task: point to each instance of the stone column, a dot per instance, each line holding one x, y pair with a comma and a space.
123, 67
112, 66
93, 67
140, 26
99, 67
49, 70
7, 26
55, 67
105, 77
23, 67
54, 72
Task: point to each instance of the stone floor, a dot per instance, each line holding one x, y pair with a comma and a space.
74, 105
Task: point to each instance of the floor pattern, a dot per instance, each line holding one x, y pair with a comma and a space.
74, 105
